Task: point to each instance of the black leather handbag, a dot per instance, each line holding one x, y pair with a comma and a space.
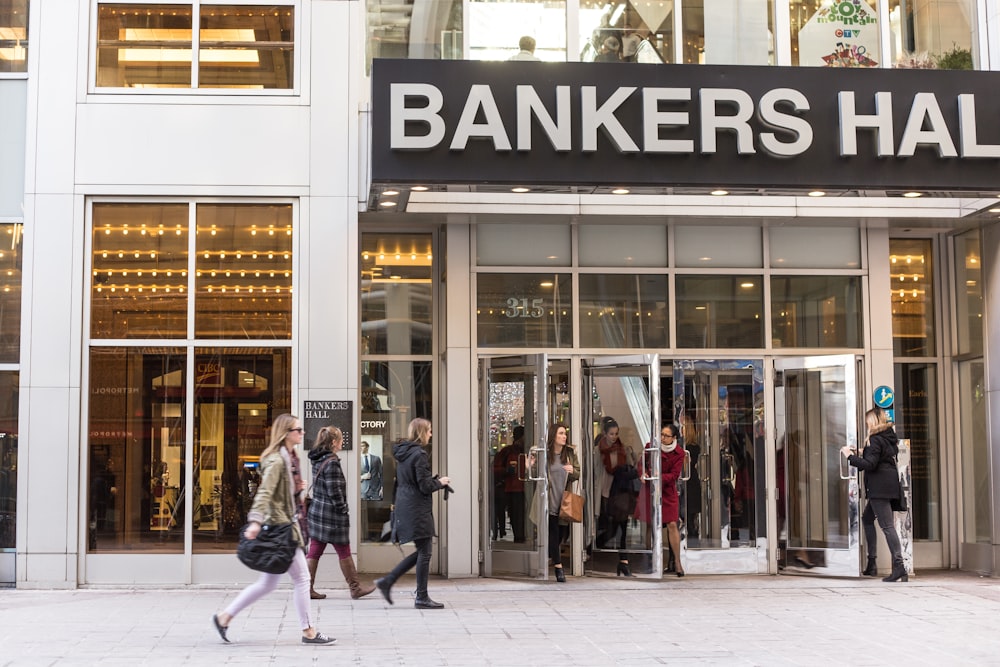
272, 551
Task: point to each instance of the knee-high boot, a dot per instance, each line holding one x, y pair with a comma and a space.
312, 564
358, 590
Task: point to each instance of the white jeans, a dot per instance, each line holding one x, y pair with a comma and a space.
299, 573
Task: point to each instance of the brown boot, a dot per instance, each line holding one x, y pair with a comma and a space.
313, 563
358, 590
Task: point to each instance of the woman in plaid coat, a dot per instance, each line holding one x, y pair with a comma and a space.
328, 515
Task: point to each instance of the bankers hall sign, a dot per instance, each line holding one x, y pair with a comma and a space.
609, 124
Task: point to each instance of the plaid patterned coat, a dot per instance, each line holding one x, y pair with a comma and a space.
329, 519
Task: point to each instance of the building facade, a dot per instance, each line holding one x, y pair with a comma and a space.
755, 225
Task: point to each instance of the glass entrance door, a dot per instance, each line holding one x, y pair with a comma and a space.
515, 413
816, 406
719, 407
621, 466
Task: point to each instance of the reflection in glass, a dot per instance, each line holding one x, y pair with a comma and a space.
720, 311
503, 245
237, 395
246, 46
626, 32
699, 247
495, 28
9, 395
816, 311
969, 297
243, 277
139, 274
834, 34
524, 310
975, 452
814, 247
13, 36
911, 270
619, 311
416, 29
396, 293
136, 487
728, 32
10, 293
917, 420
143, 45
392, 394
623, 245
922, 32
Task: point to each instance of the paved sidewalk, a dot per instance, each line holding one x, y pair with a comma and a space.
935, 619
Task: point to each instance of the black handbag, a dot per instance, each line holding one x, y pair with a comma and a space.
272, 551
899, 504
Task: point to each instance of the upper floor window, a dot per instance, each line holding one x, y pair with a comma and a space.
13, 36
142, 45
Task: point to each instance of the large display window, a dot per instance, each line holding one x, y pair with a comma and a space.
10, 293
175, 426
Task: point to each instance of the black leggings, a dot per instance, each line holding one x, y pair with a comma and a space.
422, 559
557, 533
879, 508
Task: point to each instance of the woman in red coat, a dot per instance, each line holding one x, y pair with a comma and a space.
671, 465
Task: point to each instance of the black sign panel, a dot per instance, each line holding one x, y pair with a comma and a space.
317, 414
525, 123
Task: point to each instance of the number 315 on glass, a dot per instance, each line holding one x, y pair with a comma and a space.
524, 308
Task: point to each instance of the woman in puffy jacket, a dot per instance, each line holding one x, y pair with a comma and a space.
878, 462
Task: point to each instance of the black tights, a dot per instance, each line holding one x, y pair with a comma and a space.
879, 508
557, 533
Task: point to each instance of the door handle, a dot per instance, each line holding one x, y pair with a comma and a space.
648, 450
537, 461
686, 467
522, 467
847, 471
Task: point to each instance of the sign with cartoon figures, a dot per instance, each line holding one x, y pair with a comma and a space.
842, 33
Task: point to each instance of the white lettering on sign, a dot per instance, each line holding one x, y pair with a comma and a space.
373, 424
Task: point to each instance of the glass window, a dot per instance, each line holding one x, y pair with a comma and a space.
697, 247
237, 395
497, 27
139, 272
934, 34
720, 312
837, 33
728, 32
814, 247
136, 437
816, 311
246, 46
624, 311
975, 452
623, 245
912, 297
418, 29
397, 294
917, 420
147, 45
626, 32
9, 394
503, 245
524, 310
13, 36
969, 296
392, 394
10, 293
243, 272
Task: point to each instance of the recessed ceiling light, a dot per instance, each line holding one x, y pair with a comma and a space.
546, 283
387, 204
746, 285
390, 193
620, 191
911, 195
520, 189
995, 210
720, 193
817, 193
419, 188
704, 259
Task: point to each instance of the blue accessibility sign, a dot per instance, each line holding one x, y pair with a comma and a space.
884, 397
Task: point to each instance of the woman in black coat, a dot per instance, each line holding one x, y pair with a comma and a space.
878, 461
414, 520
328, 515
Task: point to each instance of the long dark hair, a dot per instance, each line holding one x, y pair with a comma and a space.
550, 443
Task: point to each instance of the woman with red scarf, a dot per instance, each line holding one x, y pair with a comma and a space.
671, 465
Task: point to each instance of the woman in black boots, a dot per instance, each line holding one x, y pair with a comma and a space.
413, 511
878, 461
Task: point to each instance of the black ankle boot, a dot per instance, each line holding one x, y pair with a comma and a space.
623, 569
898, 573
560, 575
872, 569
425, 602
384, 587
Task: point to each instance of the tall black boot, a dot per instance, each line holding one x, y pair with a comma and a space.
872, 569
898, 573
